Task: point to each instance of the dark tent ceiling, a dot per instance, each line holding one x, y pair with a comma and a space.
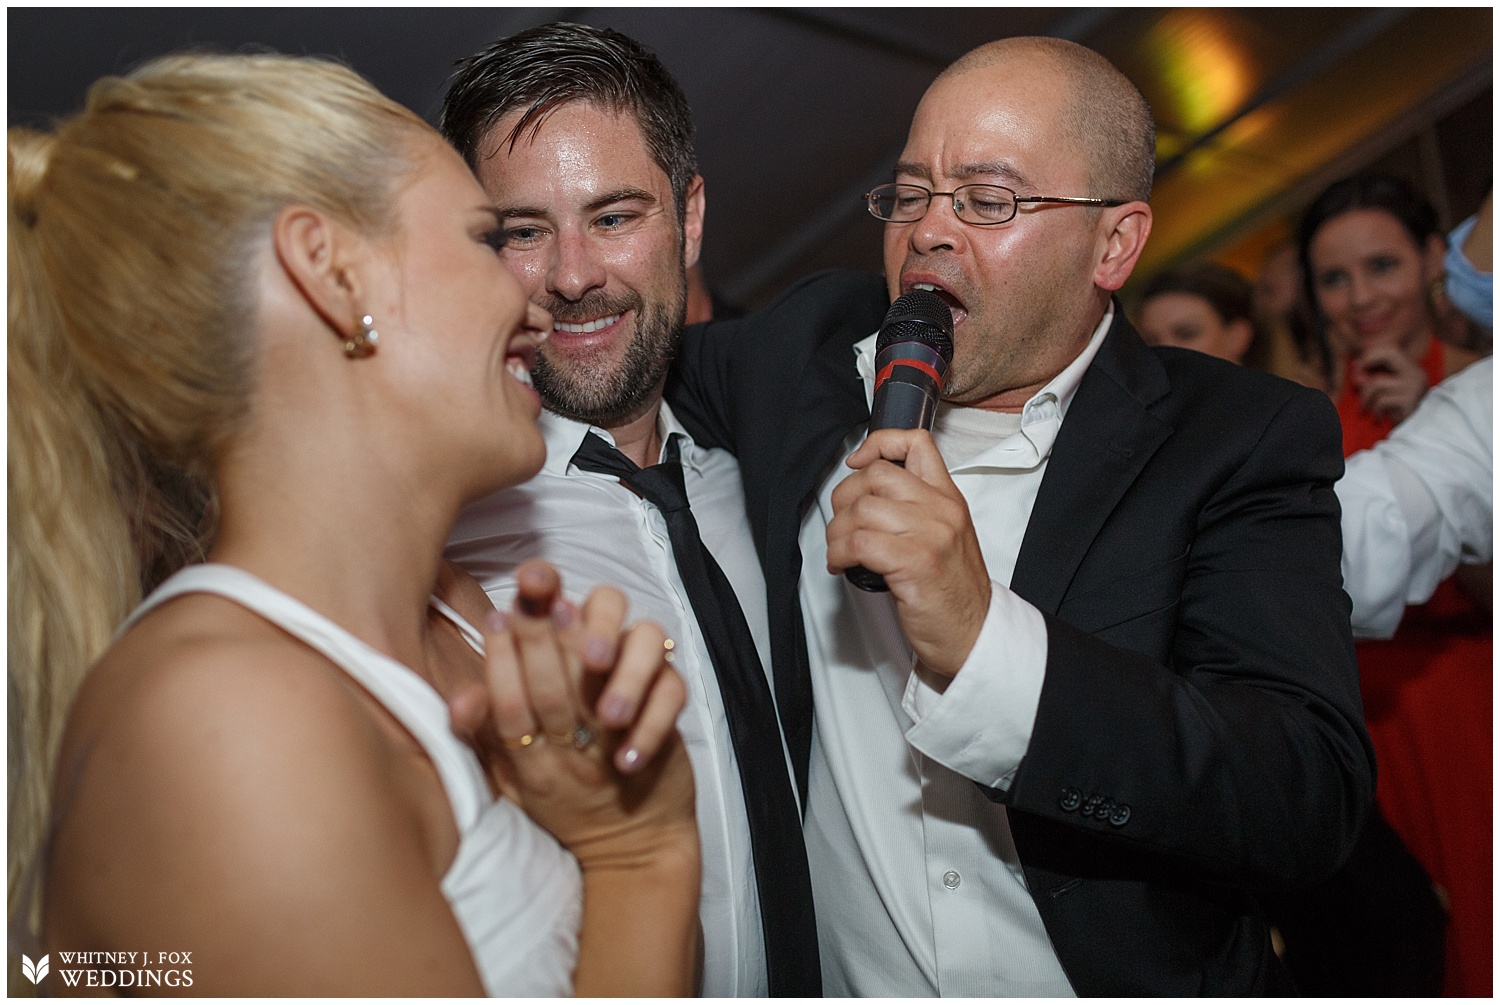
800, 111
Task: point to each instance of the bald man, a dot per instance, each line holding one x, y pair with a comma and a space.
1111, 693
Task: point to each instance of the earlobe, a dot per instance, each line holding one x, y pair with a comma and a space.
694, 205
1123, 232
312, 251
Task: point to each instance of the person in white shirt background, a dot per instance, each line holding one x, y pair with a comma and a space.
585, 143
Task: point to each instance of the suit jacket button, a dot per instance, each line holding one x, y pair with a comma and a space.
1071, 799
1105, 810
1120, 815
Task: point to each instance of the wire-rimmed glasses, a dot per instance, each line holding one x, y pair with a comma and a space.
980, 205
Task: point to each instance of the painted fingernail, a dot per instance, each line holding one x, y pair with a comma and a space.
616, 709
628, 760
532, 607
496, 621
598, 651
564, 613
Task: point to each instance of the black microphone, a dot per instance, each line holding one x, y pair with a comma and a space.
912, 356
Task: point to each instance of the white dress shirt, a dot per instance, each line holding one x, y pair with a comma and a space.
915, 877
1420, 502
597, 532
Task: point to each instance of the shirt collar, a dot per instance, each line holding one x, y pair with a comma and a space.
564, 436
1059, 390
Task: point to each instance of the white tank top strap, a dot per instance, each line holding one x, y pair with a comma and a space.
413, 701
470, 634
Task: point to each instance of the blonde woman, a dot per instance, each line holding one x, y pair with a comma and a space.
255, 310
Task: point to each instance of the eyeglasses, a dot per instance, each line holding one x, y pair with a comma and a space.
980, 205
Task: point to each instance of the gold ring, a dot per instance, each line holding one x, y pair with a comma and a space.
518, 742
560, 739
583, 736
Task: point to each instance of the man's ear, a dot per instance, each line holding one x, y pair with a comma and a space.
692, 222
316, 254
1122, 235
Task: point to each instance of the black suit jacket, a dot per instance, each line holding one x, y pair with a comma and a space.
1199, 735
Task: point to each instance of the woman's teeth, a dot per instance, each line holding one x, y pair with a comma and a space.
518, 370
587, 326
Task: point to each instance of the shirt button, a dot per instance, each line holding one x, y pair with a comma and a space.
951, 879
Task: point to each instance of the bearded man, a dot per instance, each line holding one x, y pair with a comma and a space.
584, 142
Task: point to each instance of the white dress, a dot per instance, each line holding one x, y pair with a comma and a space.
517, 893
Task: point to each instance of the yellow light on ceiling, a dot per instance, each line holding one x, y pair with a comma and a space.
1206, 70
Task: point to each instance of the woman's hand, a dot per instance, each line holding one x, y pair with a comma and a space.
579, 723
1390, 383
583, 725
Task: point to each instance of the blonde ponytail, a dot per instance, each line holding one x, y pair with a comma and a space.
131, 240
71, 573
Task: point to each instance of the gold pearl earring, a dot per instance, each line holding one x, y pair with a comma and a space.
363, 342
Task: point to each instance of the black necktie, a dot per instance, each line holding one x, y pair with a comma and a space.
781, 876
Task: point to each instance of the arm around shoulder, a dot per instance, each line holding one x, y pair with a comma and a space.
719, 361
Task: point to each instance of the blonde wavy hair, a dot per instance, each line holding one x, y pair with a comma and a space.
132, 228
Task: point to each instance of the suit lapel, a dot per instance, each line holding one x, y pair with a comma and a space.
1106, 439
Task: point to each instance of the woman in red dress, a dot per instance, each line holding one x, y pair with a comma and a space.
1373, 257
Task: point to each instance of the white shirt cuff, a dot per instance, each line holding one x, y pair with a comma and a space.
979, 722
1377, 546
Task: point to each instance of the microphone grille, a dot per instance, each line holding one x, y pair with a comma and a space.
919, 316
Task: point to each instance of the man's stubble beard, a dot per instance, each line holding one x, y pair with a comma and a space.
997, 358
606, 394
1021, 343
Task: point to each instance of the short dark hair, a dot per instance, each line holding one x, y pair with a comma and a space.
1387, 192
540, 69
1227, 292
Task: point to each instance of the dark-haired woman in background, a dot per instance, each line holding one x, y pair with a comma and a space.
256, 311
1373, 257
1209, 308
